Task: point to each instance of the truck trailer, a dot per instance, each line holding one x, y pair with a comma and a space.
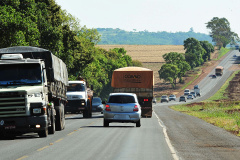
219, 71
136, 80
33, 85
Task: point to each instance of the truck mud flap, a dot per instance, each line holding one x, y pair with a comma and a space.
146, 112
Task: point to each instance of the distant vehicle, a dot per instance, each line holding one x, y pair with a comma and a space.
214, 76
237, 47
186, 92
182, 98
219, 70
194, 94
172, 97
197, 91
234, 55
190, 96
122, 107
154, 100
196, 87
164, 98
97, 105
79, 98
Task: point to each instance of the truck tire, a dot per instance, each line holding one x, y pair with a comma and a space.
43, 133
52, 128
138, 123
105, 123
85, 114
89, 108
60, 118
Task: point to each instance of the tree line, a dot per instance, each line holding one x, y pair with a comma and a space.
42, 23
177, 64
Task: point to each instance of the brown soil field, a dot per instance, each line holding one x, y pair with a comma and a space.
151, 57
147, 53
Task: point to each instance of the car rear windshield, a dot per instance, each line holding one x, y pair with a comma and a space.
121, 99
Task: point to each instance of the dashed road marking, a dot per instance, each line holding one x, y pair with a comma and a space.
42, 148
23, 157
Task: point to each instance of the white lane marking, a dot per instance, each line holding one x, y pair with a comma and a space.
173, 152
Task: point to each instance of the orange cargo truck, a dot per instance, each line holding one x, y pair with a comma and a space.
219, 70
136, 80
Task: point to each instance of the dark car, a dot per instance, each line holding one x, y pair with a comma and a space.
182, 98
196, 87
97, 105
214, 76
194, 94
190, 96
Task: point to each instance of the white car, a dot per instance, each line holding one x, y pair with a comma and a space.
186, 92
122, 107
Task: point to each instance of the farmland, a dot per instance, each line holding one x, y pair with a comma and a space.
149, 55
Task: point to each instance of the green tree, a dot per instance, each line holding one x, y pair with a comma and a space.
221, 32
209, 48
179, 60
194, 52
173, 57
169, 73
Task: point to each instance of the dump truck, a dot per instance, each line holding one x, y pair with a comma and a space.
136, 80
79, 97
219, 70
33, 86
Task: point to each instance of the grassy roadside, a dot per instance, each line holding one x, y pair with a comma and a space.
216, 110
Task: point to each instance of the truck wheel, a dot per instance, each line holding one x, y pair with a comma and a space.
89, 109
105, 123
52, 128
85, 114
43, 133
60, 120
138, 124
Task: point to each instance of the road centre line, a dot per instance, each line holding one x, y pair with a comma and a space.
59, 140
174, 154
42, 148
23, 157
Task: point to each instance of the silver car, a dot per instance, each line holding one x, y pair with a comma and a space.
122, 107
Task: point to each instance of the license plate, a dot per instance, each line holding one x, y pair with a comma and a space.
121, 116
94, 109
10, 127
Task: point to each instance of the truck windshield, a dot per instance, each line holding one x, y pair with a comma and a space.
75, 87
19, 74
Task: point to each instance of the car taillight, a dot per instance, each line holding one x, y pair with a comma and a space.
135, 108
145, 100
107, 108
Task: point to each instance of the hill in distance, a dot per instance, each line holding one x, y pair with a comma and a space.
117, 36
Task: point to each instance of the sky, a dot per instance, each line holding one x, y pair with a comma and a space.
153, 15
